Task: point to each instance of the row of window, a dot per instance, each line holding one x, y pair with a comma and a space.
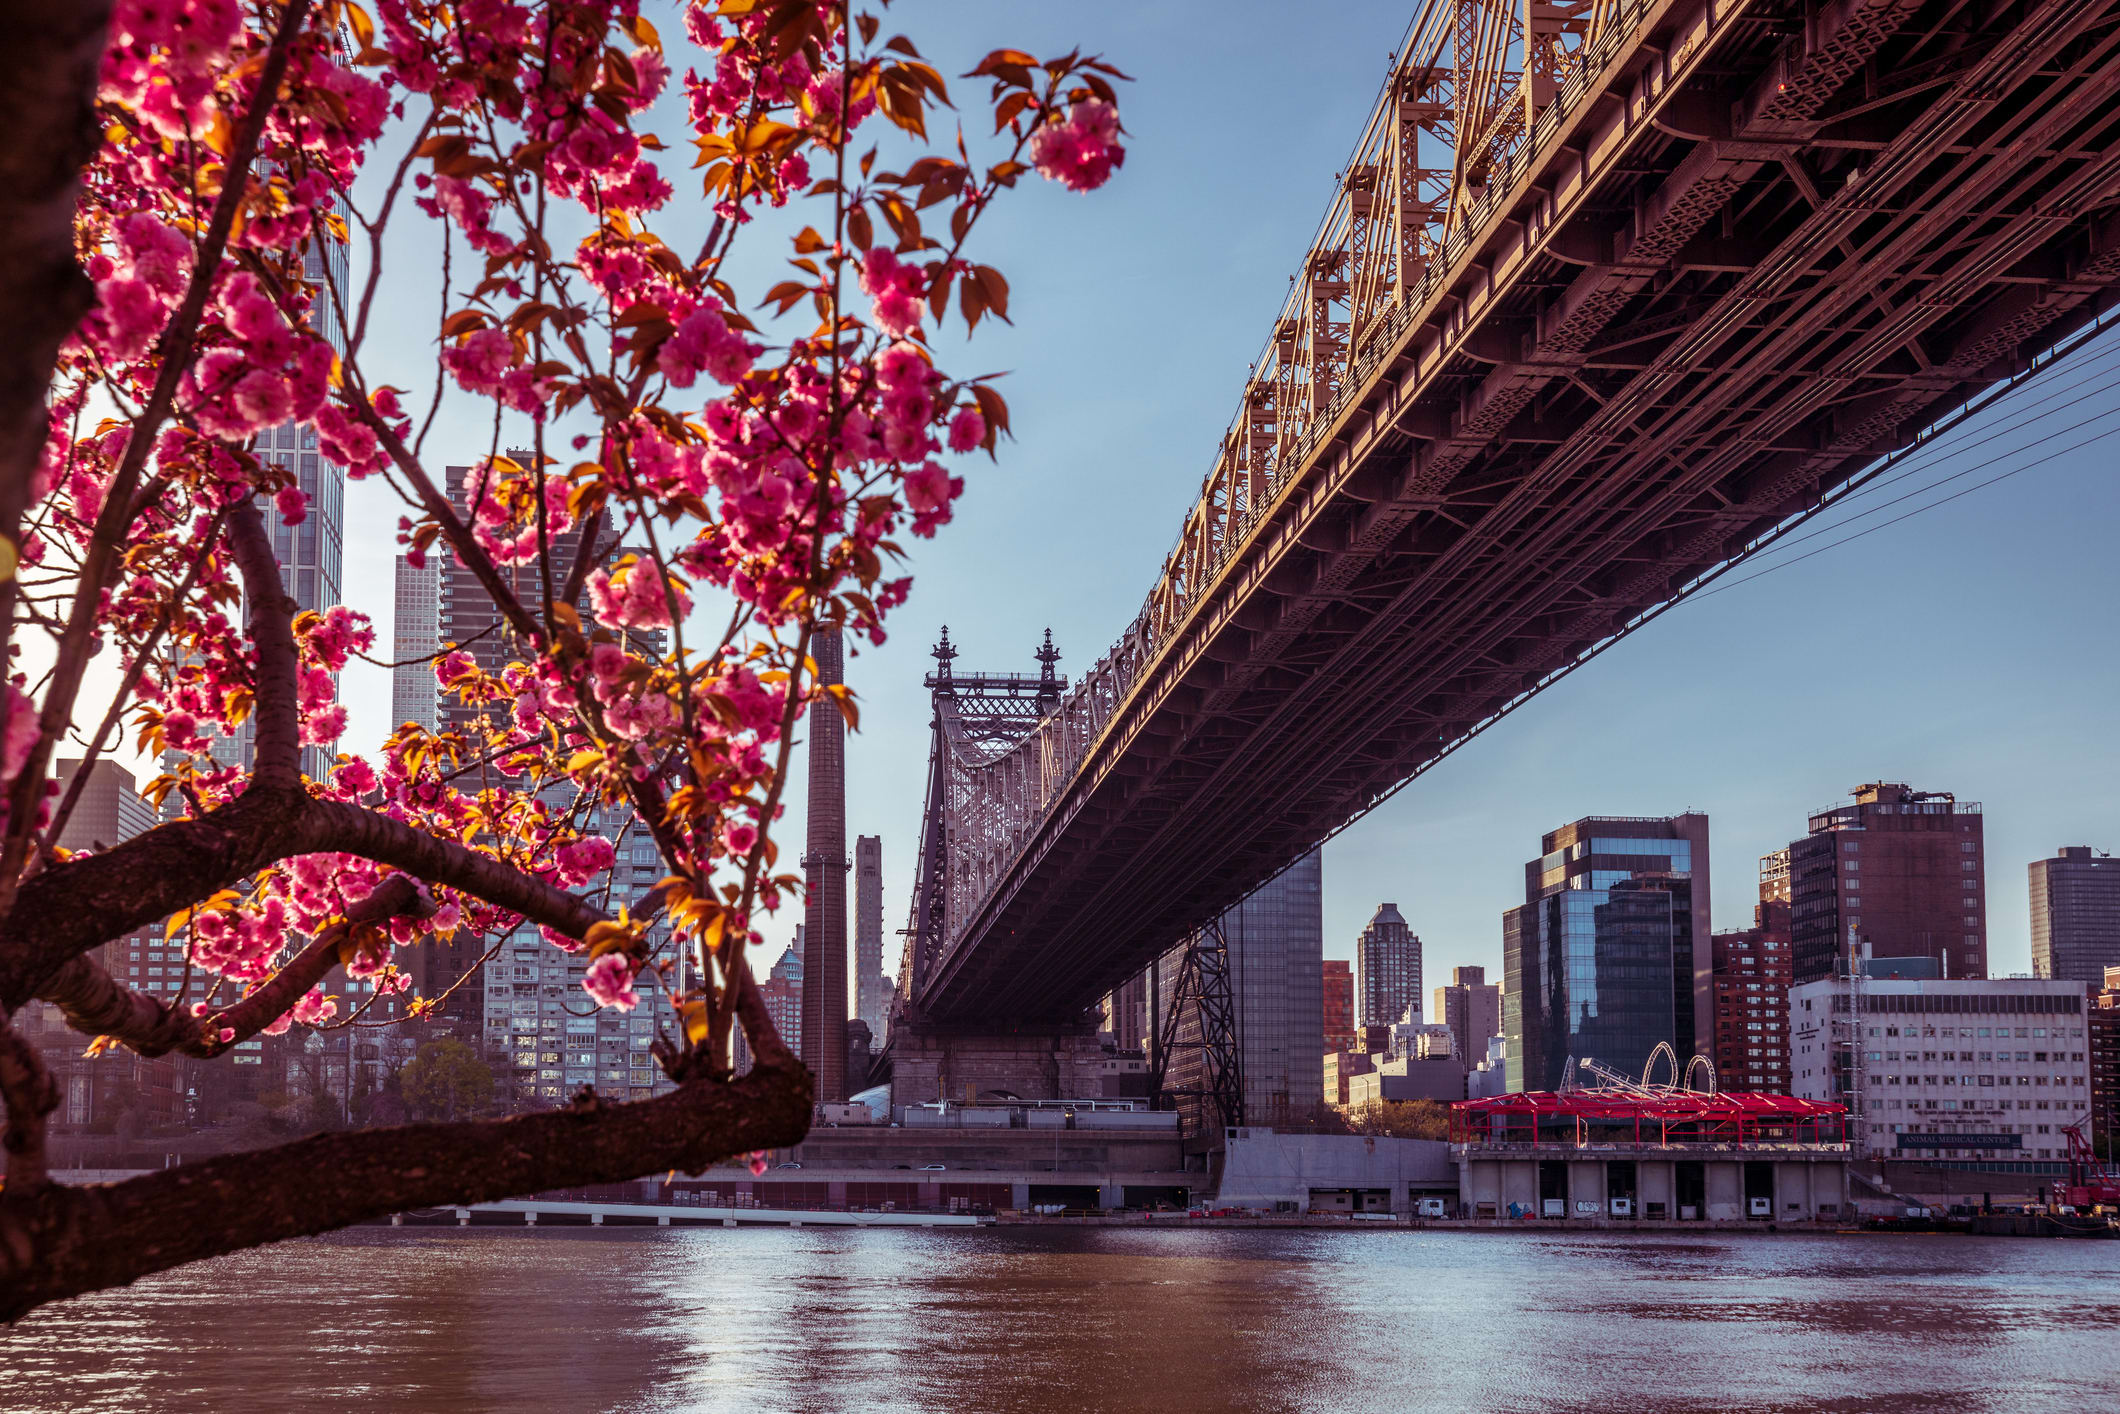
2042, 1081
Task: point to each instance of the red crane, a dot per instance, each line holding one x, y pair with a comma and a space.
2091, 1181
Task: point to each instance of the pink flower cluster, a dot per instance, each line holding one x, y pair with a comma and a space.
632, 596
609, 981
895, 289
164, 58
312, 1008
324, 643
1080, 150
136, 287
704, 342
504, 512
264, 374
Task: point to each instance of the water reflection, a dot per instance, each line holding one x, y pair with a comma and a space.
1103, 1319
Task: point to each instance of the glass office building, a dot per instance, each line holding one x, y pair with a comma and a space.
1611, 951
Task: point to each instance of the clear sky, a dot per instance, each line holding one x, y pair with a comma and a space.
1969, 648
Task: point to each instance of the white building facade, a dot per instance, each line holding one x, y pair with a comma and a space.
1982, 1070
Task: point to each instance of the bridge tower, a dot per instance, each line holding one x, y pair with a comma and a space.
978, 718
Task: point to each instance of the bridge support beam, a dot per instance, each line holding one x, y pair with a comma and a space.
960, 1064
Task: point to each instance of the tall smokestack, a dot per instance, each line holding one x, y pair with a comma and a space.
824, 872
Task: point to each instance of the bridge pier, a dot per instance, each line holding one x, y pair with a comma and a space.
961, 1064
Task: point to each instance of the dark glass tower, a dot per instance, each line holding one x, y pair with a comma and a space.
1611, 951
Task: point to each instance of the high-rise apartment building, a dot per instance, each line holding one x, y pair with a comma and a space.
415, 640
2075, 915
1752, 974
542, 1038
782, 990
1990, 1069
1387, 969
1899, 869
1610, 952
467, 618
1471, 1007
1338, 984
872, 990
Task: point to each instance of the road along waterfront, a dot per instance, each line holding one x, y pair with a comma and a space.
1064, 1319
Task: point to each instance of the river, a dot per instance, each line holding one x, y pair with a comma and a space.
1074, 1319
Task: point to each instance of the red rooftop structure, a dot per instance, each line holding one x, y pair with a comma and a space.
1670, 1116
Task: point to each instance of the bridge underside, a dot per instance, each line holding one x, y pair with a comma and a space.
1779, 241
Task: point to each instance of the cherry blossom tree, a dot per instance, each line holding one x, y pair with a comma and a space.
705, 479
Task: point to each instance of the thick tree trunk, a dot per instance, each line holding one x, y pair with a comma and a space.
62, 1241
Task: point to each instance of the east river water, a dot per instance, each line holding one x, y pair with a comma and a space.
1092, 1319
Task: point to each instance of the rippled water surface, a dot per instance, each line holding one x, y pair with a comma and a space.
1092, 1319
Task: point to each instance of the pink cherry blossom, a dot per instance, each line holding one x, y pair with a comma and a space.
1081, 150
609, 980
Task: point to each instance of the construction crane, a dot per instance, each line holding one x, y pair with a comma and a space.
2091, 1181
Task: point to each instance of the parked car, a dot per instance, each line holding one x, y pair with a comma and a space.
790, 1164
934, 1168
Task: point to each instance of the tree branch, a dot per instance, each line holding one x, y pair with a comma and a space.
60, 1241
353, 830
97, 1004
70, 908
271, 624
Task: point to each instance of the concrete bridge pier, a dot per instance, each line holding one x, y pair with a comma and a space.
931, 1062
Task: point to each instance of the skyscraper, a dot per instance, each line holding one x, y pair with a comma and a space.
1276, 954
1338, 980
1903, 868
872, 990
1610, 952
1276, 942
469, 619
1471, 1007
415, 639
1387, 969
824, 869
2075, 915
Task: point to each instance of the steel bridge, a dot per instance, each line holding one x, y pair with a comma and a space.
1609, 290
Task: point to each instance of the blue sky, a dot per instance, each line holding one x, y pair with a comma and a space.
1969, 648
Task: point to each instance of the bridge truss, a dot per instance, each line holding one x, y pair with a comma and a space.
1573, 332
